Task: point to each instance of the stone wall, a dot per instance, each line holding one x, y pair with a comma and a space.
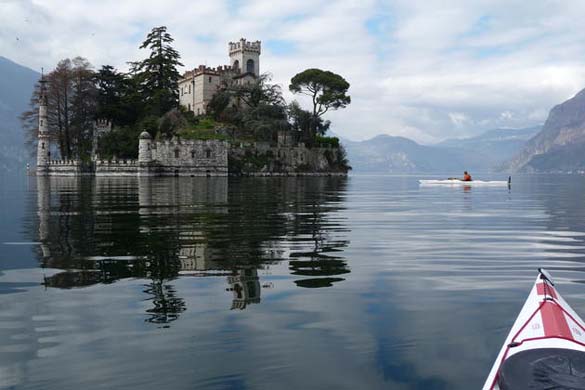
210, 158
265, 160
116, 168
68, 168
186, 158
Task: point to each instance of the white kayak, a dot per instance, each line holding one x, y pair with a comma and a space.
457, 182
546, 345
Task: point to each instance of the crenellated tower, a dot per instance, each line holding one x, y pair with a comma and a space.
245, 56
43, 144
100, 128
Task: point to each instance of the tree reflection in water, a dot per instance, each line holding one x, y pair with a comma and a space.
105, 229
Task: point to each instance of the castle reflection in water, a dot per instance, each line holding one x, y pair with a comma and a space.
104, 229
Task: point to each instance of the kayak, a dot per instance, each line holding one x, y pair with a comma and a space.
545, 348
457, 182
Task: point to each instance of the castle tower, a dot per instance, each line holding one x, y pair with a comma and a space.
43, 144
144, 148
101, 127
245, 56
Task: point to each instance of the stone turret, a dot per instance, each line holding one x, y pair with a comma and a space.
43, 144
145, 148
100, 128
245, 56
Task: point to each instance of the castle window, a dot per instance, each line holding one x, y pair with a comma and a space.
210, 79
189, 105
176, 153
250, 66
182, 91
198, 111
42, 145
189, 88
192, 154
41, 122
236, 65
208, 153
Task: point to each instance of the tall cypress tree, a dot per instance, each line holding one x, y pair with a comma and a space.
157, 75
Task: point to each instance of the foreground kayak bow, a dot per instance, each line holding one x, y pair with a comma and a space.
545, 348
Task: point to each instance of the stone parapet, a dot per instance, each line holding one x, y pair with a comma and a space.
116, 168
244, 45
65, 162
68, 168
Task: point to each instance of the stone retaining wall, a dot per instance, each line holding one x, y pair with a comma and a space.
183, 158
68, 168
116, 168
265, 160
210, 158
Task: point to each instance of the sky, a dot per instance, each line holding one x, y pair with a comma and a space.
426, 70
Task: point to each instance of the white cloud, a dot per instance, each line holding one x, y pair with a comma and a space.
492, 63
459, 119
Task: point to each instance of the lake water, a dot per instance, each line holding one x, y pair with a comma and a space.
276, 283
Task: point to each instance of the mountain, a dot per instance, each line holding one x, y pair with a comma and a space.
494, 146
560, 145
16, 85
388, 154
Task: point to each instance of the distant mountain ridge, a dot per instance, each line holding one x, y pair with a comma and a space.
389, 154
16, 86
560, 145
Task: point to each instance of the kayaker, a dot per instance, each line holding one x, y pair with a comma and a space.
466, 176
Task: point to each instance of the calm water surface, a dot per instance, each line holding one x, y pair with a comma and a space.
361, 282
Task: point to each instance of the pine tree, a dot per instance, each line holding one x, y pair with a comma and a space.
157, 75
117, 100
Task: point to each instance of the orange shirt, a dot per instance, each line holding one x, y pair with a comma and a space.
467, 177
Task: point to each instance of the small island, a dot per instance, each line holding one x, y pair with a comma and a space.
153, 121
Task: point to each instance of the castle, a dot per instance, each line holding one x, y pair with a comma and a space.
197, 86
155, 158
177, 157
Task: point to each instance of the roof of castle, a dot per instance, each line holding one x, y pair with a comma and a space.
204, 70
145, 135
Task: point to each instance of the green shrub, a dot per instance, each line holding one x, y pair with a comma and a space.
205, 123
201, 135
203, 128
327, 141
